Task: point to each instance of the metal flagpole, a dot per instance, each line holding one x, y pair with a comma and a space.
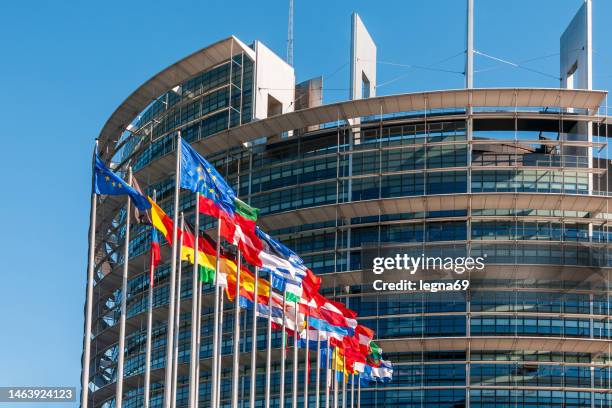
353, 390
170, 324
177, 320
236, 334
254, 342
124, 289
220, 340
317, 377
327, 373
147, 379
306, 365
269, 348
216, 346
195, 296
343, 382
89, 290
359, 390
199, 344
295, 358
335, 379
283, 353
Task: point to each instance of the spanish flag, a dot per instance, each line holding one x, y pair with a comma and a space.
161, 221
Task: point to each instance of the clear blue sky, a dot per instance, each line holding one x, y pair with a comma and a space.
66, 65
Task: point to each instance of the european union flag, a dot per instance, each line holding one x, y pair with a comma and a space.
199, 176
108, 183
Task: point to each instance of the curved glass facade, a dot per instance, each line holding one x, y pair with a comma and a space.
534, 330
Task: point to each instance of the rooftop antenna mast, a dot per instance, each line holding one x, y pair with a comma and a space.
469, 57
290, 35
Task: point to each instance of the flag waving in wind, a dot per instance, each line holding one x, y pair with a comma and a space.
219, 200
108, 183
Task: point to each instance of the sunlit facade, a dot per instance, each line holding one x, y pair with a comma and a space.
519, 176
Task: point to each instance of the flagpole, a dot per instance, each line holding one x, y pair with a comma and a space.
328, 382
254, 342
343, 382
147, 379
220, 340
353, 390
306, 365
335, 379
236, 334
177, 320
283, 352
195, 296
170, 324
318, 380
199, 344
295, 357
269, 347
89, 290
359, 390
216, 346
124, 294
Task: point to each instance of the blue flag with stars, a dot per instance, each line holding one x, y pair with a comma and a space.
199, 176
108, 183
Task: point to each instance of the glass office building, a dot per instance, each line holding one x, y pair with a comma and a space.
519, 176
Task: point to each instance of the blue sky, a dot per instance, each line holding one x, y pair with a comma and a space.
67, 65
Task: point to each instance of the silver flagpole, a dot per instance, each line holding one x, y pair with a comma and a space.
353, 390
216, 346
359, 390
220, 340
335, 379
89, 289
327, 373
147, 379
195, 296
254, 342
177, 320
306, 364
236, 334
269, 348
199, 344
124, 289
170, 324
317, 379
343, 382
295, 357
283, 353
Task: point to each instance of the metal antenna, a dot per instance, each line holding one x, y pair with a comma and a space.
290, 35
469, 57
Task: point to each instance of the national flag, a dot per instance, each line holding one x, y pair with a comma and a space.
242, 234
247, 285
332, 332
383, 373
206, 255
375, 355
364, 336
141, 217
338, 364
161, 221
352, 352
108, 183
274, 247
